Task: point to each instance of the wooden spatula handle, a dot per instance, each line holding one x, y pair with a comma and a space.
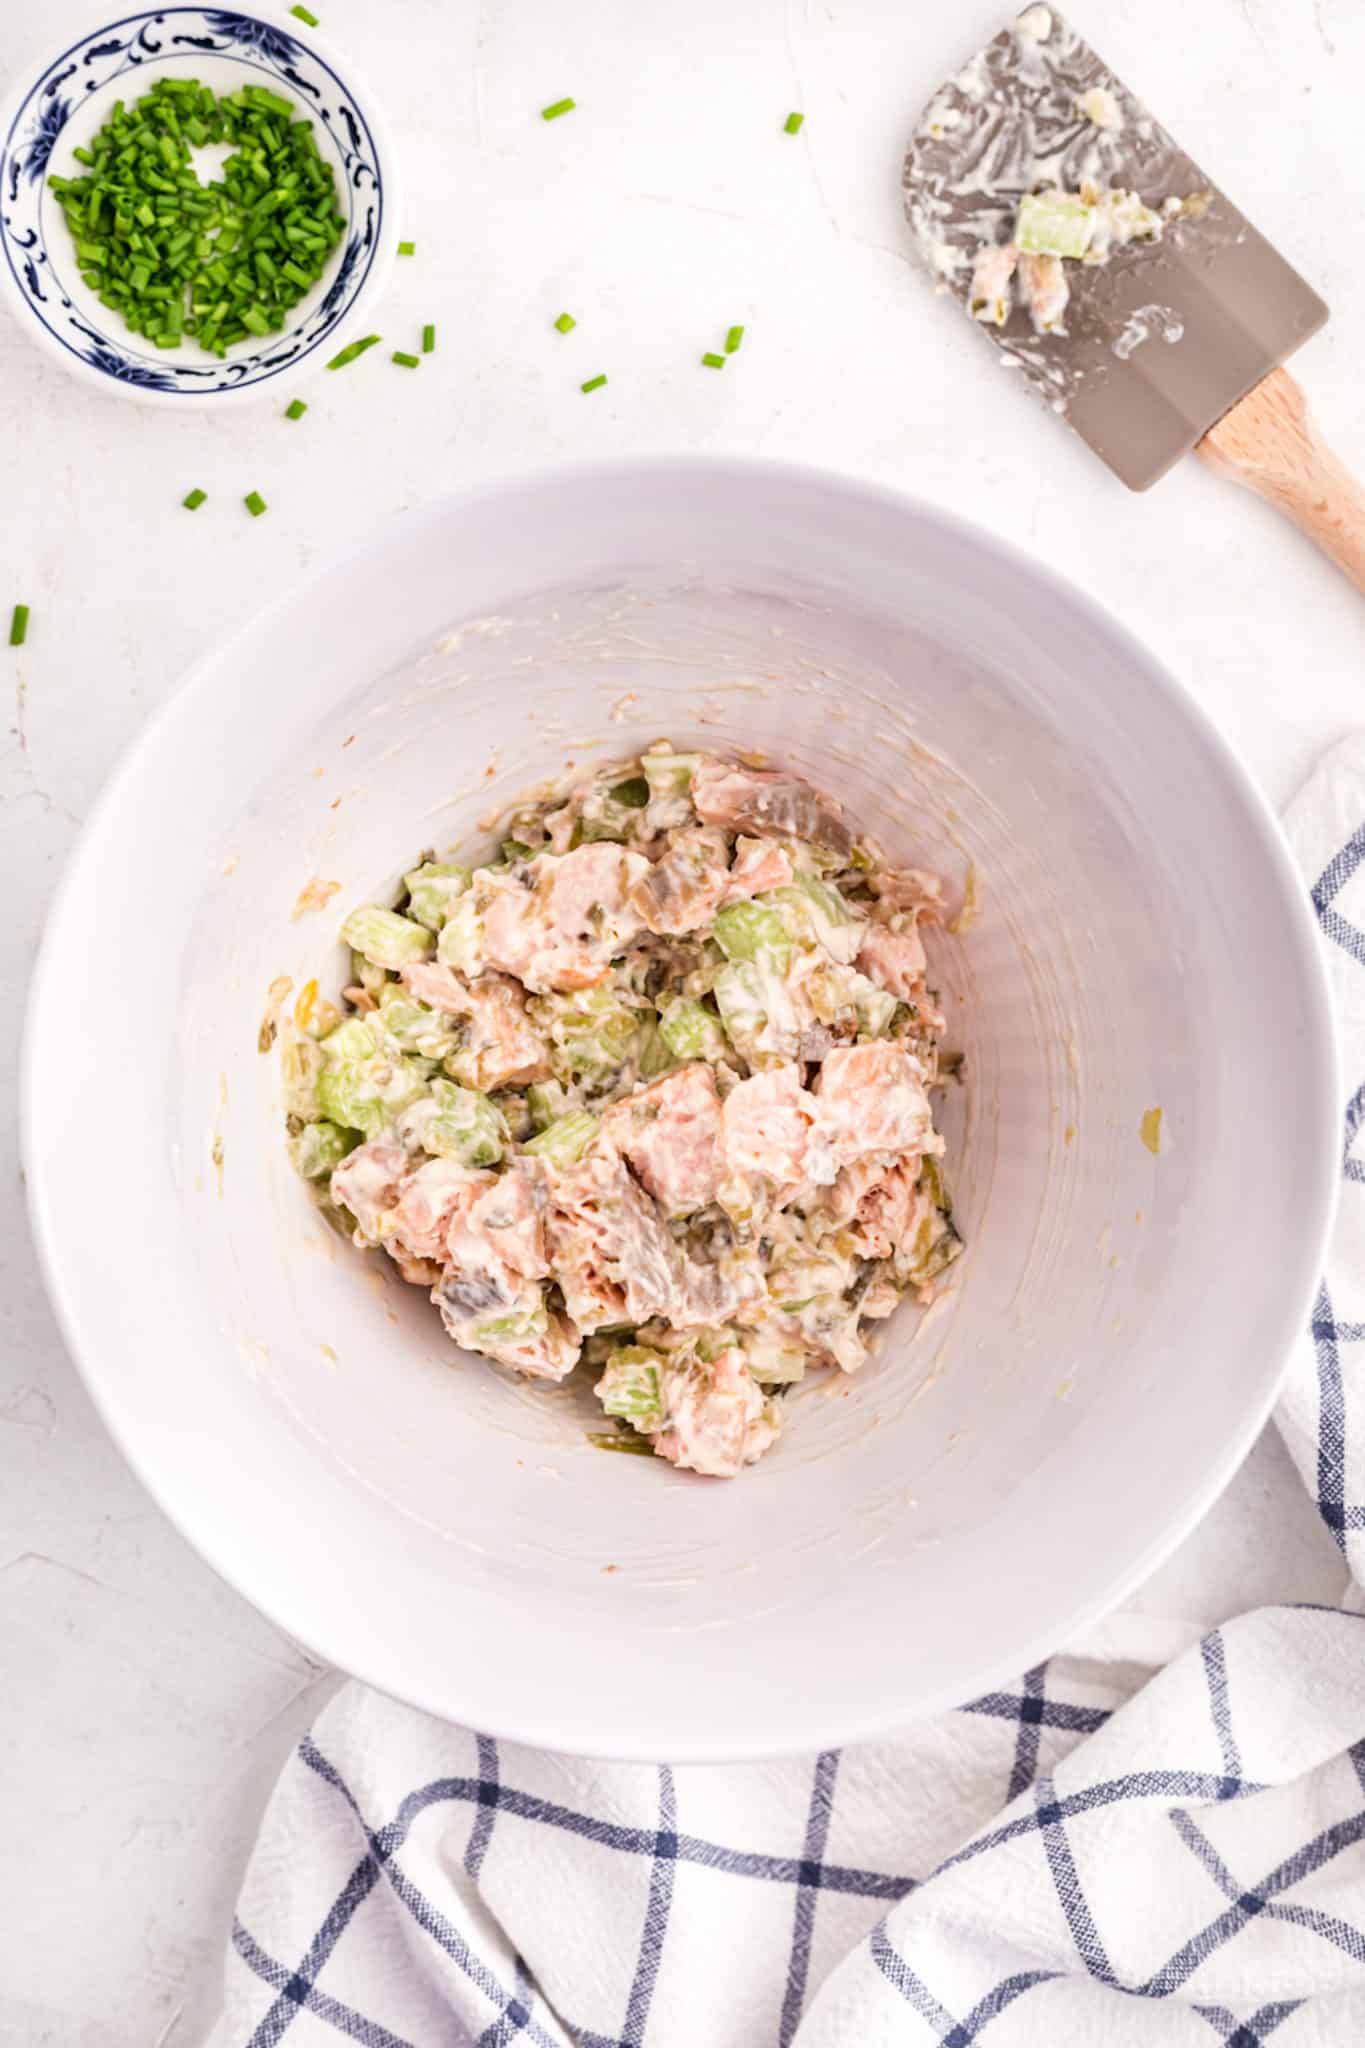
1269, 443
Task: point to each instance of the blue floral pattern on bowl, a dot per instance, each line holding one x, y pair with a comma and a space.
37, 244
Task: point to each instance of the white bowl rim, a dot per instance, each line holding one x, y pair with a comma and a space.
1321, 1063
372, 285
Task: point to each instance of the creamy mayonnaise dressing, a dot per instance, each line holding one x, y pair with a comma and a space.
649, 1091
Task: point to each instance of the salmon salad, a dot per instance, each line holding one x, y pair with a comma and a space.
648, 1094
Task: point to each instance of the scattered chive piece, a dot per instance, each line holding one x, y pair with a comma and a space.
295, 409
558, 107
713, 362
428, 338
18, 626
400, 355
255, 503
593, 384
353, 349
407, 248
565, 323
733, 340
304, 15
792, 124
192, 500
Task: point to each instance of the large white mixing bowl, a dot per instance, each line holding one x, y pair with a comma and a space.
1014, 1460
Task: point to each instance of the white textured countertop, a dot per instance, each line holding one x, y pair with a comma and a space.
143, 1706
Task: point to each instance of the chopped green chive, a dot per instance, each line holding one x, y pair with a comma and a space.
713, 361
593, 384
565, 323
792, 124
18, 626
407, 248
428, 338
295, 409
192, 500
219, 262
304, 15
352, 350
255, 503
400, 355
556, 108
733, 340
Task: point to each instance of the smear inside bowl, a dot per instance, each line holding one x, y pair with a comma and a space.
1010, 1460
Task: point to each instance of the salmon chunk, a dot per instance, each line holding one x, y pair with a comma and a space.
895, 960
490, 1296
884, 1211
872, 1100
563, 931
718, 1419
769, 802
430, 1196
613, 1258
684, 888
757, 865
368, 1184
990, 296
501, 1049
770, 1126
669, 1133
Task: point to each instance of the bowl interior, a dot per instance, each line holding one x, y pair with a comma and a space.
1010, 1460
62, 108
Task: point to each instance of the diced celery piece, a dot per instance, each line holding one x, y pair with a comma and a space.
366, 1087
669, 774
415, 1026
511, 1329
301, 1063
876, 1007
655, 1055
773, 1358
366, 975
1054, 224
815, 913
566, 1139
739, 998
350, 1042
546, 1100
467, 1126
690, 1031
344, 1097
321, 1146
347, 1096
630, 1387
460, 944
745, 929
386, 938
432, 890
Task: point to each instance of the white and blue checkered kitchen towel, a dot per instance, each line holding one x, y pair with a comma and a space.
1074, 1862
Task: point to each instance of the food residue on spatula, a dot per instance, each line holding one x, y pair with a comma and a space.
1031, 161
1052, 227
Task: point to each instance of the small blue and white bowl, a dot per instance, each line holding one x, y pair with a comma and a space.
62, 106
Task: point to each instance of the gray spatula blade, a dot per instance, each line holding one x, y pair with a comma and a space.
1163, 338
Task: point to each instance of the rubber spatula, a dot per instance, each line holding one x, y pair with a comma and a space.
1167, 341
